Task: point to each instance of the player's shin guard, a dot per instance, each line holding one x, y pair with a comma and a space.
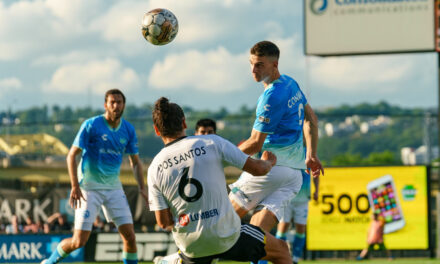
298, 245
281, 235
129, 258
57, 255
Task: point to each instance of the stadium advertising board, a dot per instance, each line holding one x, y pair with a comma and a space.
109, 246
33, 248
343, 27
348, 197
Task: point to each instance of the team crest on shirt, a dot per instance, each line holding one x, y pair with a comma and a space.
104, 137
263, 119
122, 140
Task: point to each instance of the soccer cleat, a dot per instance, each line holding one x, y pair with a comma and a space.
43, 261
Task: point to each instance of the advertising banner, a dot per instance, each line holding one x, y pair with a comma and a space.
109, 246
42, 204
344, 27
33, 248
348, 197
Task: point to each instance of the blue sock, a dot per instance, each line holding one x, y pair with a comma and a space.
57, 255
281, 235
129, 258
298, 245
261, 262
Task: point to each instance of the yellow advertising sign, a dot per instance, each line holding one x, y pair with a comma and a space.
340, 220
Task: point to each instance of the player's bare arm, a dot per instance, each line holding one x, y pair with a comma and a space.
76, 194
138, 171
164, 218
310, 130
260, 167
254, 143
316, 192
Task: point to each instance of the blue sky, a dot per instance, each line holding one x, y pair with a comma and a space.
70, 52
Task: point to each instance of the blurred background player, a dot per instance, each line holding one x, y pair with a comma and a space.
205, 126
185, 182
375, 237
102, 141
298, 209
281, 112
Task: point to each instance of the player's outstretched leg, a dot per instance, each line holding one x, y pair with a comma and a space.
68, 245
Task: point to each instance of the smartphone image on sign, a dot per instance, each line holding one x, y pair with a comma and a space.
385, 202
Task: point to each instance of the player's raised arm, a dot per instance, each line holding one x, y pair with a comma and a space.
260, 167
75, 194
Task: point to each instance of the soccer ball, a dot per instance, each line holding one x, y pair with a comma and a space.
159, 26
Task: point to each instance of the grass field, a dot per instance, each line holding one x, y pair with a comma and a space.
373, 261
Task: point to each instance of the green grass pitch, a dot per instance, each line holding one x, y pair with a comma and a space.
372, 261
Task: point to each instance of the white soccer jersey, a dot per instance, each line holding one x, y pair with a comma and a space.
187, 176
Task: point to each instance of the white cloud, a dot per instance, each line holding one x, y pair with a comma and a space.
95, 76
78, 56
356, 73
122, 22
33, 27
216, 71
10, 83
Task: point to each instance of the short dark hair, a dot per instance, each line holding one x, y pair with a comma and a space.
114, 91
206, 122
265, 48
168, 117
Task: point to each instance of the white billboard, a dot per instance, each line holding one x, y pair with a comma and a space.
343, 27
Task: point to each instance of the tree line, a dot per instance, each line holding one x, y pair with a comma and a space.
347, 147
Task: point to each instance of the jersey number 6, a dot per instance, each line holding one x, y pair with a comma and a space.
185, 181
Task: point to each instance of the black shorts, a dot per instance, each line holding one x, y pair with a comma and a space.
249, 247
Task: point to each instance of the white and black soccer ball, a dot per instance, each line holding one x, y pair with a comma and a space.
159, 26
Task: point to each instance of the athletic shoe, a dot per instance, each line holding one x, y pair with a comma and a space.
44, 261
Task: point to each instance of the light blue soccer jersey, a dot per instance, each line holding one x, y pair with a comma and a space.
280, 114
102, 150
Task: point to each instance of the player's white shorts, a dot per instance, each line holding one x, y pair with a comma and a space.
269, 192
113, 202
296, 209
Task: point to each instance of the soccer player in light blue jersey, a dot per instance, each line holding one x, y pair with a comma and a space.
102, 141
281, 112
298, 209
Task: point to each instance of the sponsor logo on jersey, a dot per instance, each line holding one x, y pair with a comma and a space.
104, 137
185, 219
292, 101
109, 151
